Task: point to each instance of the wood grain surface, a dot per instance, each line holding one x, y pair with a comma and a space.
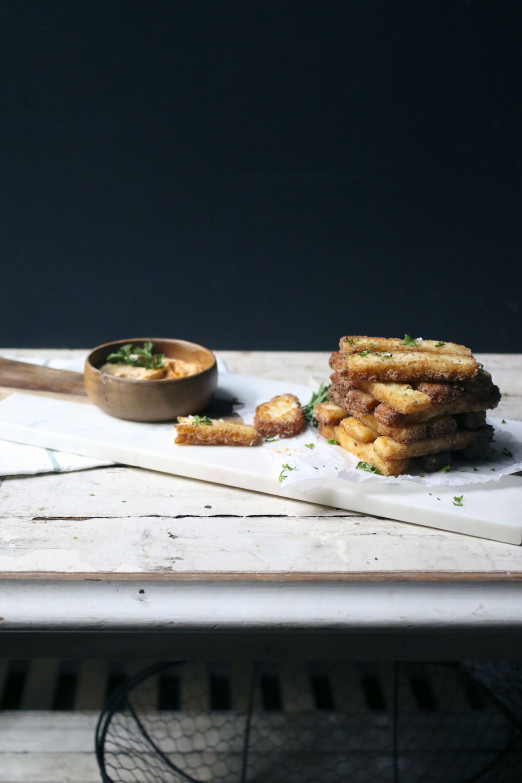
123, 523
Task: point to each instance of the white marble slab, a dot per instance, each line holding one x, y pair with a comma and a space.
491, 510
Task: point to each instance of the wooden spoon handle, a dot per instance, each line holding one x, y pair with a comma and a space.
21, 375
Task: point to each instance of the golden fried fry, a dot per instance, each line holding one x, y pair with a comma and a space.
404, 366
329, 413
390, 449
328, 431
359, 431
366, 453
402, 397
357, 343
281, 417
466, 404
202, 431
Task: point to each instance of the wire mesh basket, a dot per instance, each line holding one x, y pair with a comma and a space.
275, 723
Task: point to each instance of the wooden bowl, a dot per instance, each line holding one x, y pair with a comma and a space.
159, 400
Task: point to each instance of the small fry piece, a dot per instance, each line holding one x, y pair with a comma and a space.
357, 343
359, 431
440, 426
328, 431
404, 366
329, 413
402, 397
281, 417
390, 449
194, 430
466, 404
407, 434
366, 453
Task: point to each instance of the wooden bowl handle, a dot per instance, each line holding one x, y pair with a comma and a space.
21, 375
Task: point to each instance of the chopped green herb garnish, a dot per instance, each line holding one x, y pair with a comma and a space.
365, 353
321, 395
333, 442
197, 420
503, 421
368, 467
446, 469
440, 344
372, 345
422, 475
409, 340
282, 475
480, 367
137, 356
310, 445
506, 452
350, 340
271, 440
457, 500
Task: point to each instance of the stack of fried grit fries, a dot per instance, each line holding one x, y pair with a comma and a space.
404, 406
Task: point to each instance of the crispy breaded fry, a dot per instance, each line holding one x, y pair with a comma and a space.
354, 399
366, 453
404, 366
390, 449
471, 421
429, 463
481, 383
357, 343
281, 417
359, 431
466, 404
328, 431
402, 397
441, 392
341, 383
359, 400
409, 434
194, 430
329, 413
440, 426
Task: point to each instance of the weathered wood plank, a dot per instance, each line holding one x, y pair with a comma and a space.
124, 521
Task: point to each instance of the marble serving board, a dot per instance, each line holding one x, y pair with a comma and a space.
491, 510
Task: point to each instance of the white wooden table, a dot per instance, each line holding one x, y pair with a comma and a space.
187, 569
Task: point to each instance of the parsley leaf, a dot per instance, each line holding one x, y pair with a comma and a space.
446, 469
368, 467
201, 420
332, 441
135, 354
310, 445
321, 395
282, 475
409, 340
440, 344
457, 500
271, 440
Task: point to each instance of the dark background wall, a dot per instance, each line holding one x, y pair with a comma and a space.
259, 174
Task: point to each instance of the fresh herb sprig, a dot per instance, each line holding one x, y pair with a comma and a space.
410, 341
368, 467
283, 475
137, 356
197, 420
321, 395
